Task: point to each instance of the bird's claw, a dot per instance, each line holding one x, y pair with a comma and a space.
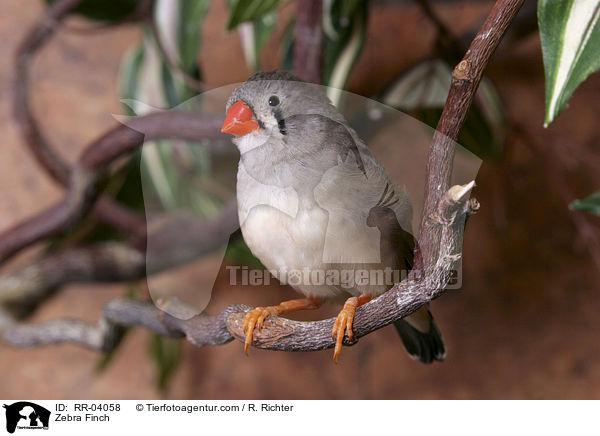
255, 319
343, 326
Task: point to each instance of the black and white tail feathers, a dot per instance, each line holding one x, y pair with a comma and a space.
421, 337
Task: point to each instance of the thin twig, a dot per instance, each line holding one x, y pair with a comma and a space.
465, 80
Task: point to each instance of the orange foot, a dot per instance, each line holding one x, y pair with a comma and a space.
344, 320
256, 318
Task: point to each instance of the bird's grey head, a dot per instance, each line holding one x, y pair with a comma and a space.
264, 101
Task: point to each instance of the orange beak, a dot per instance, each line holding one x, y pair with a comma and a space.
239, 120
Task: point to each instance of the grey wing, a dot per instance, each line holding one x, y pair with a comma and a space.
378, 190
350, 191
320, 138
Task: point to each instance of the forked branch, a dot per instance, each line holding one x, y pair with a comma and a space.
441, 233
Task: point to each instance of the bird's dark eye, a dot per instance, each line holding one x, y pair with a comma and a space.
273, 100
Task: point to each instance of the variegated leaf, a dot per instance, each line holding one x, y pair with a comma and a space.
570, 35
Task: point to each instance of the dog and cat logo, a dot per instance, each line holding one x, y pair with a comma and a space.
25, 415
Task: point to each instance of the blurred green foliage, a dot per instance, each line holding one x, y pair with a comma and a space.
589, 204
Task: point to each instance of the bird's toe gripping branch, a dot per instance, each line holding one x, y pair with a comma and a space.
255, 318
343, 323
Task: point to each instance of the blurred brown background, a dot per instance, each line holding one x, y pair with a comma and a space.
524, 326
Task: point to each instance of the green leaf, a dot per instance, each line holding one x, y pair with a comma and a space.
589, 204
286, 46
169, 168
263, 28
423, 86
131, 65
570, 35
351, 7
169, 86
254, 36
343, 42
250, 10
166, 354
238, 253
193, 13
422, 92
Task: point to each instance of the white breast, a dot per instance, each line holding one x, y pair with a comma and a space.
289, 239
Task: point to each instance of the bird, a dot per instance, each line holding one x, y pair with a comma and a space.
317, 208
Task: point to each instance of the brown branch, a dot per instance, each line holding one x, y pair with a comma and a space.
308, 48
22, 291
34, 40
180, 238
465, 80
87, 174
40, 34
277, 333
101, 337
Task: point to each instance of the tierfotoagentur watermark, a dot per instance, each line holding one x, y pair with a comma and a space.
341, 278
